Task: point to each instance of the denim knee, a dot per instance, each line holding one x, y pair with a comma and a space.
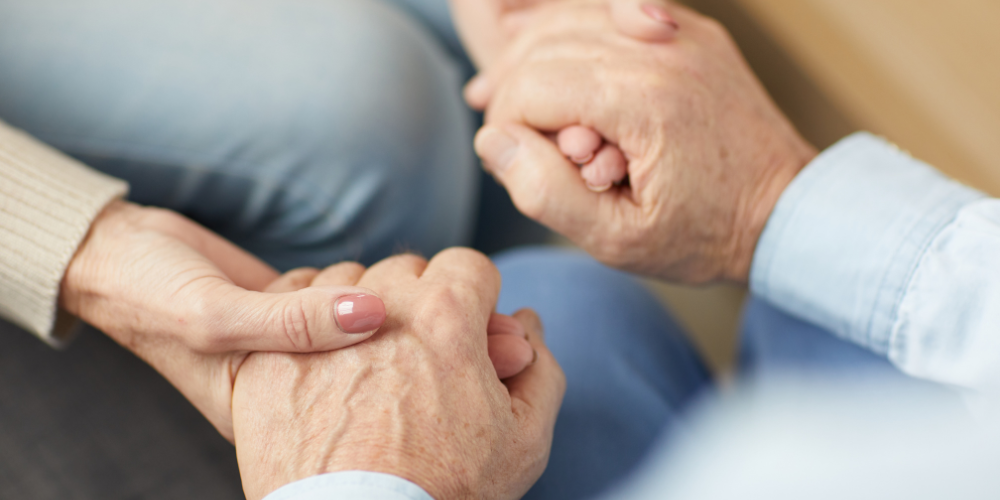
306, 131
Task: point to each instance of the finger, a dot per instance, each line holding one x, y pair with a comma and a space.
536, 393
293, 280
510, 354
393, 271
607, 168
478, 91
543, 184
467, 270
501, 324
646, 20
579, 143
229, 318
342, 274
238, 265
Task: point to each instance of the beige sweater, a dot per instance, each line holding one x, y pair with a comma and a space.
47, 203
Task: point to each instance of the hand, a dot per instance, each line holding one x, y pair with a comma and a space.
419, 400
708, 152
507, 344
487, 26
190, 303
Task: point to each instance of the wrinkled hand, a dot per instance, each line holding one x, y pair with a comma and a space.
419, 400
487, 26
508, 347
708, 152
191, 304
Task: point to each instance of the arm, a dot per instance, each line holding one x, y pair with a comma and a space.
47, 203
865, 241
883, 250
180, 297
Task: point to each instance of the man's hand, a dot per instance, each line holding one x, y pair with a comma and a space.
708, 152
419, 400
191, 304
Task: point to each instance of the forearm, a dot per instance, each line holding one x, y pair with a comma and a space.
47, 203
884, 251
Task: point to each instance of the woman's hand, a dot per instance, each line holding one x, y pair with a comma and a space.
192, 305
419, 400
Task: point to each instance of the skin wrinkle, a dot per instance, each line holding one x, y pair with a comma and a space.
706, 95
295, 325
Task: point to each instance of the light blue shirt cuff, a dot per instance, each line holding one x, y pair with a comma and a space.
847, 233
350, 484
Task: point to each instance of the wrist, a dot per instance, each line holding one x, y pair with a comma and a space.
77, 282
759, 201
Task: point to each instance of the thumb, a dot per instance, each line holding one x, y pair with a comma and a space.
319, 318
646, 20
542, 183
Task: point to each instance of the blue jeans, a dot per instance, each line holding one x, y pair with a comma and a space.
306, 131
631, 372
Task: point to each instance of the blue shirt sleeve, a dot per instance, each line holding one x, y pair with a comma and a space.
846, 237
350, 485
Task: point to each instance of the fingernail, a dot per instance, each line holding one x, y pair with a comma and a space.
359, 313
660, 14
497, 149
534, 356
599, 189
582, 160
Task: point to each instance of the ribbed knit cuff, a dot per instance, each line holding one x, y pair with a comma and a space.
47, 203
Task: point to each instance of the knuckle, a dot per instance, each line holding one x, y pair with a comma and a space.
467, 257
209, 334
408, 259
295, 324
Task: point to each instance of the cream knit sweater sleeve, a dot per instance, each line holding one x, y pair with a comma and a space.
47, 202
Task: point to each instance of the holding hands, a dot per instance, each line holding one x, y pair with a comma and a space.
683, 158
419, 400
192, 304
707, 151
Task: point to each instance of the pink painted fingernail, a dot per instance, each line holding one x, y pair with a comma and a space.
660, 14
359, 313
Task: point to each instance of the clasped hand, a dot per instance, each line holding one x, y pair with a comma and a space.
420, 399
708, 153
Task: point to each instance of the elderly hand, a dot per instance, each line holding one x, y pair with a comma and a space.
419, 400
507, 342
708, 152
191, 304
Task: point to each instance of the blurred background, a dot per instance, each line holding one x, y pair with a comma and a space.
924, 74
